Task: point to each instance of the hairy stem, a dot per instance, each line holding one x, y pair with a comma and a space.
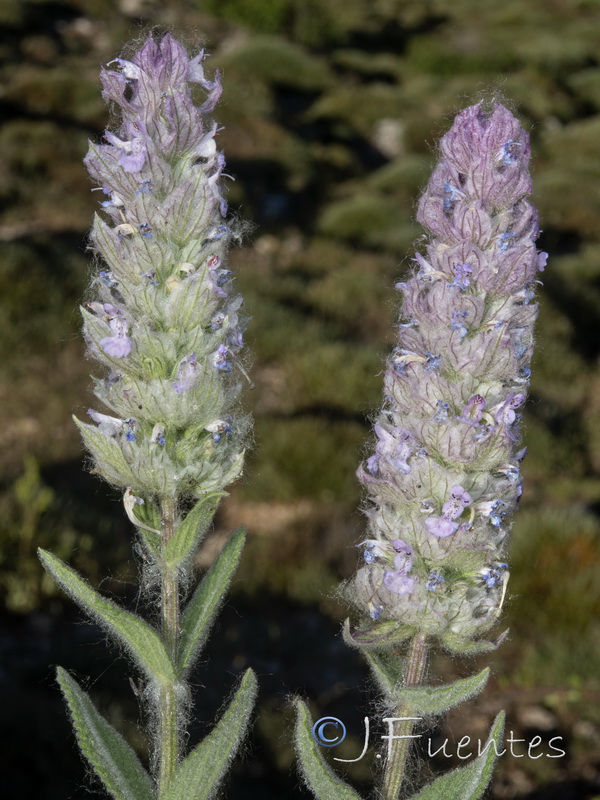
395, 768
168, 703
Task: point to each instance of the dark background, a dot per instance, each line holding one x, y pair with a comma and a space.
330, 114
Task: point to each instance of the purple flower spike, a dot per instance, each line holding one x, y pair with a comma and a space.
443, 470
165, 315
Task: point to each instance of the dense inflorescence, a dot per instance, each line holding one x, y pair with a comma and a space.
444, 479
163, 320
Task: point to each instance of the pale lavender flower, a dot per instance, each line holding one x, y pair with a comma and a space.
187, 371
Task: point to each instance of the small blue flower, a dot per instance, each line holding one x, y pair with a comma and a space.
158, 435
432, 363
145, 187
483, 431
223, 276
368, 555
506, 241
131, 426
219, 428
145, 230
396, 362
220, 358
458, 323
217, 233
452, 196
216, 322
462, 273
494, 575
443, 411
151, 276
434, 581
495, 510
507, 153
108, 279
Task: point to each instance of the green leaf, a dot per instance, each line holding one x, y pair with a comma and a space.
199, 775
462, 646
420, 700
191, 530
319, 776
381, 634
437, 699
107, 455
470, 782
113, 760
202, 609
142, 641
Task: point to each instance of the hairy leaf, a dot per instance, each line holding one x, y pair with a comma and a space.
320, 778
470, 782
142, 641
424, 700
191, 530
113, 760
202, 609
199, 775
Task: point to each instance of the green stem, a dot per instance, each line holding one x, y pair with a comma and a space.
168, 702
395, 768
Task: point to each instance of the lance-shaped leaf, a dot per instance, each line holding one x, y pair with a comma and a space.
206, 600
470, 782
421, 700
319, 776
142, 641
199, 775
188, 535
113, 760
380, 634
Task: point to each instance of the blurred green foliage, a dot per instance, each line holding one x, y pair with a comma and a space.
330, 111
33, 515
